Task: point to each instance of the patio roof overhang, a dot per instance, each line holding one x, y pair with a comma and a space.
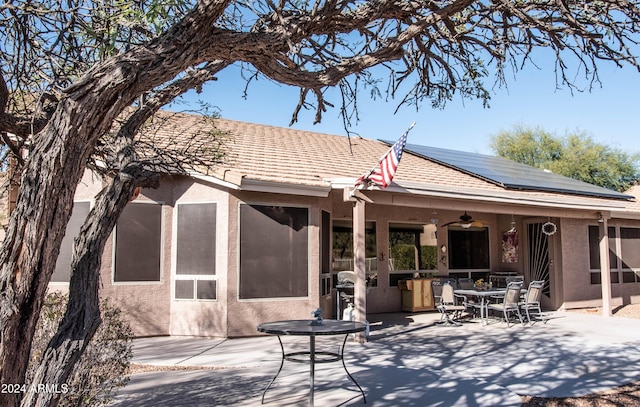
412, 194
461, 198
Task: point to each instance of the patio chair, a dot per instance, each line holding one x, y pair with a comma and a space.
448, 306
511, 279
510, 302
466, 283
532, 301
436, 290
449, 280
470, 302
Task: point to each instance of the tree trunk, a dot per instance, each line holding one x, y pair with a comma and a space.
30, 250
82, 317
56, 164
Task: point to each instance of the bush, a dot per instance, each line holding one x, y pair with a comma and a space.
104, 365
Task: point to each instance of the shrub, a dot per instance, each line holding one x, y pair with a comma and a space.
102, 368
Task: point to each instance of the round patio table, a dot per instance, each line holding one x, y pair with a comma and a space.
312, 329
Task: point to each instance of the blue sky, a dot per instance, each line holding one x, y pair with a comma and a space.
609, 113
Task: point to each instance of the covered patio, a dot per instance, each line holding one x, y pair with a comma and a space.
526, 222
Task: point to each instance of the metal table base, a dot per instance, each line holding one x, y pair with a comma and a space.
312, 356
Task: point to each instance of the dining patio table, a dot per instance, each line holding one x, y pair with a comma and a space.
484, 295
312, 329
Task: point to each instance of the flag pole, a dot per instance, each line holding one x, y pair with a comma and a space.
360, 185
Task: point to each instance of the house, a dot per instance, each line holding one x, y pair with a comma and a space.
262, 236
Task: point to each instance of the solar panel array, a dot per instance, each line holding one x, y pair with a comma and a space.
510, 174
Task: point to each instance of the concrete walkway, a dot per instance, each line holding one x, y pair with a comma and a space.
406, 362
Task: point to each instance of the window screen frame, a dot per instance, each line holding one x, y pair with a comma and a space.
309, 249
421, 251
68, 243
194, 279
615, 261
454, 250
161, 279
630, 273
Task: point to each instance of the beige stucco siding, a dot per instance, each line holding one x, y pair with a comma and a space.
245, 315
578, 292
146, 305
202, 317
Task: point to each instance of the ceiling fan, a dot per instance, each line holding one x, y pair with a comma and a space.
466, 221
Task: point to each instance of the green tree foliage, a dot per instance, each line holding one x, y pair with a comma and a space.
575, 155
403, 252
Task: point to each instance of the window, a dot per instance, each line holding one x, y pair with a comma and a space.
62, 273
343, 250
274, 252
468, 248
196, 252
411, 247
138, 247
630, 254
594, 255
624, 254
325, 254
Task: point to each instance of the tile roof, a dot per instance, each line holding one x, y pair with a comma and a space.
278, 155
287, 155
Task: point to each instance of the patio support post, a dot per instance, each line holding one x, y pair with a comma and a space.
359, 265
605, 271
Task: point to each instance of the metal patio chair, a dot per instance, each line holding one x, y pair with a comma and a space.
531, 303
448, 306
470, 302
510, 302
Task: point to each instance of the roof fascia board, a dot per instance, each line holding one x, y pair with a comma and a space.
214, 180
625, 215
266, 186
511, 198
283, 188
478, 205
503, 197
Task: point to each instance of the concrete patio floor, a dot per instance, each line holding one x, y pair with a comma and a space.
407, 361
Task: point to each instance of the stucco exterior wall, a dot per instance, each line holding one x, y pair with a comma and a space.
578, 292
146, 305
245, 315
152, 309
202, 317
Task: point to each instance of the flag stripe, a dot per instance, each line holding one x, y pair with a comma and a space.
383, 173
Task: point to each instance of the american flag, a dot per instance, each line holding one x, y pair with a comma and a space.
383, 172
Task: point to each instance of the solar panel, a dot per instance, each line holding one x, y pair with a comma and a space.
510, 174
